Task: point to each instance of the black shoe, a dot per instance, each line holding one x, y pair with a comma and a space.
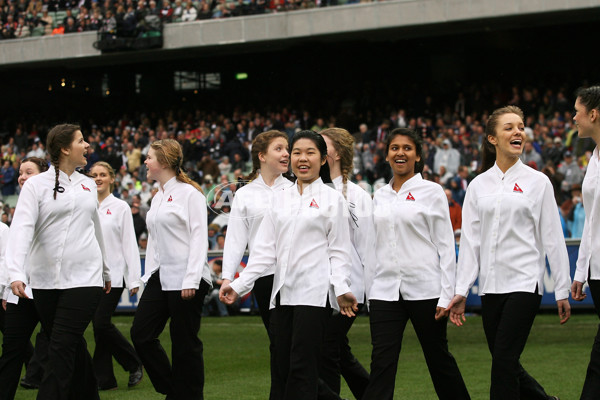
135, 377
29, 385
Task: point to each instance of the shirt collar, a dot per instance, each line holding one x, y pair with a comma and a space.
278, 181
516, 166
309, 188
170, 184
338, 181
415, 180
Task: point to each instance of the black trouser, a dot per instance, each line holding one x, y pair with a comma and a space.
337, 357
388, 321
507, 320
20, 321
185, 378
299, 333
111, 342
591, 386
65, 315
262, 293
35, 368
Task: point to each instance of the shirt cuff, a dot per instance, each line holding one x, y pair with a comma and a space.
561, 294
442, 302
341, 289
239, 288
464, 292
580, 276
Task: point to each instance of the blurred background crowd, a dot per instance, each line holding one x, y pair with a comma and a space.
26, 18
217, 147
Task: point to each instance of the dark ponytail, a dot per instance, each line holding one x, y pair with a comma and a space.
321, 146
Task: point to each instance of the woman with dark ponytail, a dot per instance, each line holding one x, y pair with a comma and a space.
54, 247
510, 224
306, 237
177, 277
337, 357
587, 119
270, 160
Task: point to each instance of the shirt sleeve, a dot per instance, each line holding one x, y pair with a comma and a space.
338, 238
198, 225
21, 233
3, 271
263, 256
470, 245
554, 243
442, 236
100, 239
149, 263
130, 251
236, 240
583, 259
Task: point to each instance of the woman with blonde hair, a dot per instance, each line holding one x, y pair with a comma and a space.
337, 356
123, 257
177, 277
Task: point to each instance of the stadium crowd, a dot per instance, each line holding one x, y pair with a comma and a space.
25, 18
216, 151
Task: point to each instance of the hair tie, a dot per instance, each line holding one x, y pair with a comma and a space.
59, 188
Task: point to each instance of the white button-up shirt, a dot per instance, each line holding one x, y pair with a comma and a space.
510, 223
415, 243
178, 237
362, 233
120, 244
4, 285
250, 203
59, 240
588, 261
307, 236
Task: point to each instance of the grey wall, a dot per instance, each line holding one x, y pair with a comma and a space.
294, 25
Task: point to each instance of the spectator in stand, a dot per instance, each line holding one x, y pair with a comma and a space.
71, 27
166, 12
225, 166
32, 20
530, 155
8, 174
447, 156
59, 30
572, 174
189, 13
554, 153
8, 29
177, 10
455, 211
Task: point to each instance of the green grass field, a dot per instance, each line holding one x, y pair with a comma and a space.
236, 358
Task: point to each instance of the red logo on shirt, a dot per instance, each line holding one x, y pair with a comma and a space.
108, 212
517, 189
410, 197
313, 204
84, 188
170, 198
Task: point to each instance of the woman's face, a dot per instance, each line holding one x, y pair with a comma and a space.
77, 152
510, 135
583, 119
277, 158
102, 178
306, 160
402, 156
153, 166
27, 170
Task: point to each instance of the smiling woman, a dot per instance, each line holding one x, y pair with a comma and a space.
510, 224
310, 277
56, 251
413, 278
